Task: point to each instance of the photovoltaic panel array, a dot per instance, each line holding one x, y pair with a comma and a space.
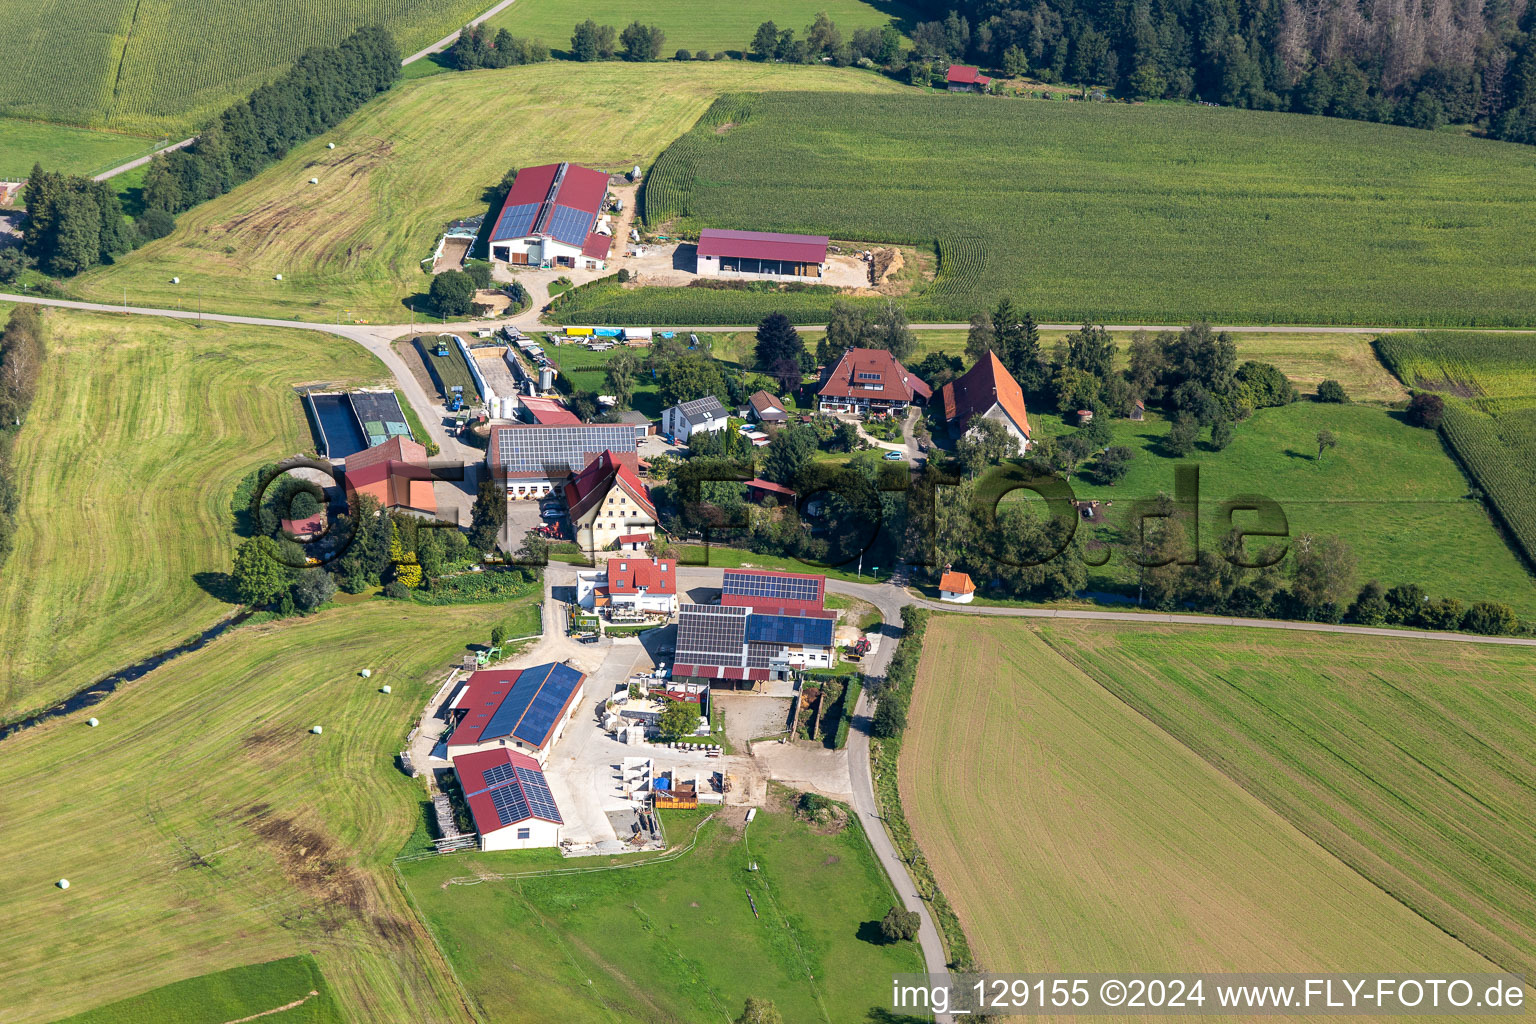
789, 629
562, 448
545, 706
516, 221
513, 705
509, 803
569, 225
711, 634
536, 792
497, 774
784, 588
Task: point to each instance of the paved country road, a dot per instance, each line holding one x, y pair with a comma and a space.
141, 161
452, 37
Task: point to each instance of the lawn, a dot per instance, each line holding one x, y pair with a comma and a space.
210, 829
675, 941
162, 67
140, 431
687, 25
1410, 761
1489, 389
585, 370
1074, 834
235, 994
408, 163
1388, 490
63, 148
1121, 213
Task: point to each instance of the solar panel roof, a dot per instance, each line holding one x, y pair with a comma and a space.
514, 704
510, 804
516, 220
545, 707
786, 588
789, 629
569, 225
536, 791
498, 773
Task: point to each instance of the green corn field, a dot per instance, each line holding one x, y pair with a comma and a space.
1116, 212
1488, 382
155, 66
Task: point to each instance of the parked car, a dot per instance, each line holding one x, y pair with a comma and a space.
552, 513
894, 456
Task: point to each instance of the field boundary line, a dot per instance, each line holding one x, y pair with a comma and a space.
437, 943
1231, 621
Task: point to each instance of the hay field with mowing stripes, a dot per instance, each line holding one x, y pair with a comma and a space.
141, 429
202, 826
1072, 833
408, 163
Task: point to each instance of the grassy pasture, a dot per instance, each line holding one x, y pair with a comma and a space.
63, 148
1134, 849
1410, 761
140, 431
153, 66
1120, 213
1489, 388
571, 947
212, 830
713, 27
1388, 490
408, 163
235, 994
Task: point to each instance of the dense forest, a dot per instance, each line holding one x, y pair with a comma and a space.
1423, 64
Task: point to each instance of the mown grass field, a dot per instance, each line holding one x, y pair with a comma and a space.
63, 148
1119, 213
140, 431
713, 27
202, 826
159, 67
1410, 761
1489, 388
1388, 490
675, 941
408, 163
235, 994
1136, 849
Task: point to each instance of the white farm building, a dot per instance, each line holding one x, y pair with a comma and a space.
550, 219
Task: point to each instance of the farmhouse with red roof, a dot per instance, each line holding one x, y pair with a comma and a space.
964, 78
607, 501
395, 474
761, 255
987, 391
870, 380
550, 219
642, 586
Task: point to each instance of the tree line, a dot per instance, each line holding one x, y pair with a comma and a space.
866, 47
74, 223
21, 362
1417, 64
477, 48
638, 42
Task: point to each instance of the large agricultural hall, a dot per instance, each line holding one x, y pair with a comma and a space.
552, 219
761, 255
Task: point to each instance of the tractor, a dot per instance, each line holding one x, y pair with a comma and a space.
456, 398
442, 346
857, 650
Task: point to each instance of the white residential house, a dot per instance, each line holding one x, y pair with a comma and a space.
699, 416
